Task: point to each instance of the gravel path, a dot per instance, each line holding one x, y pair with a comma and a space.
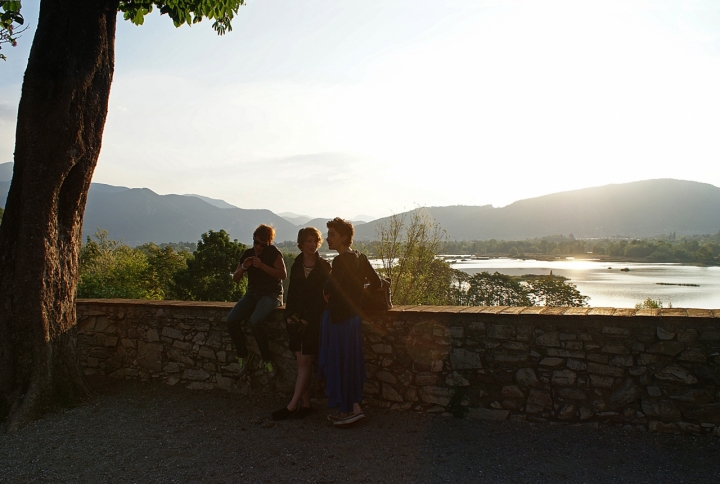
134, 432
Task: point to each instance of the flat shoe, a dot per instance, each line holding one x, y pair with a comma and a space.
284, 413
334, 417
303, 412
352, 418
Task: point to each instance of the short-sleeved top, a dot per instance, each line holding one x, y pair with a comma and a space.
259, 281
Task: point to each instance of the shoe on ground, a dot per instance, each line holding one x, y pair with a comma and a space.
334, 417
245, 363
303, 412
284, 413
269, 368
350, 419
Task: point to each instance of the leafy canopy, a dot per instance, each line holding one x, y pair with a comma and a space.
184, 11
10, 20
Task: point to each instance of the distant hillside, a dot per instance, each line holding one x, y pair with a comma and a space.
139, 215
639, 209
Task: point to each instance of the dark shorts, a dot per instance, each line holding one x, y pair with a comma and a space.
307, 340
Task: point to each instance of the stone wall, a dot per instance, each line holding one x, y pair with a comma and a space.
656, 369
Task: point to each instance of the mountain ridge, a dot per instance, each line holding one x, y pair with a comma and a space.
638, 209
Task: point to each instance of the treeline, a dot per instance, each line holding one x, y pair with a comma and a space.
669, 248
111, 269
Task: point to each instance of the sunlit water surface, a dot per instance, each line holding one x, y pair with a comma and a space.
608, 286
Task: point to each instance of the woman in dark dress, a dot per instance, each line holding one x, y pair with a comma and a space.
303, 311
342, 357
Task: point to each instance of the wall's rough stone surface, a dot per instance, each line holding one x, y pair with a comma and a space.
659, 369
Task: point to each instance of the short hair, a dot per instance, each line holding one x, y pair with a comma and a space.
343, 227
265, 232
304, 233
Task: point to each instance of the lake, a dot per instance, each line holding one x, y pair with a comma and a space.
608, 286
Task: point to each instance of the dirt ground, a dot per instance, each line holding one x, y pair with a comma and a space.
148, 432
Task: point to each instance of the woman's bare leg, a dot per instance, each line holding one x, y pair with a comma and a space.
302, 384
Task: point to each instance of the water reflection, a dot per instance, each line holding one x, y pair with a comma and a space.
609, 286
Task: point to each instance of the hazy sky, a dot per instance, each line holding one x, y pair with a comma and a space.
337, 107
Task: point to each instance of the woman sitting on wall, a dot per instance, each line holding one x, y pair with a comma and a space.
265, 268
342, 357
303, 312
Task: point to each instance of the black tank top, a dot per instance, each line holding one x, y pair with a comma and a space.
259, 281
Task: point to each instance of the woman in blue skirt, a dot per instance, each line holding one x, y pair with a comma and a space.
342, 358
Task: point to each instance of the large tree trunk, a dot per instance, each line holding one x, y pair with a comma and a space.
60, 124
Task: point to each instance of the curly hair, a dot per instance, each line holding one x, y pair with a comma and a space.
304, 233
343, 227
266, 233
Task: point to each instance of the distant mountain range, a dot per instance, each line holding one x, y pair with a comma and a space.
639, 209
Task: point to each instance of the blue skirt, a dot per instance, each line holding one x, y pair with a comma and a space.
341, 362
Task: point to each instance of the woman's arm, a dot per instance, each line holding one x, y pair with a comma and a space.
240, 271
277, 270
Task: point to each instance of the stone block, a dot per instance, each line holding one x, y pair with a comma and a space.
207, 352
621, 360
389, 393
101, 323
540, 398
637, 370
576, 365
455, 331
214, 340
526, 377
687, 335
463, 359
501, 331
386, 376
195, 374
524, 333
567, 412
566, 353
705, 413
615, 331
173, 333
615, 349
551, 361
152, 336
382, 349
605, 370
594, 357
654, 391
150, 355
665, 334
171, 367
455, 379
503, 356
511, 391
181, 345
693, 355
371, 387
676, 374
625, 394
706, 336
564, 378
435, 395
663, 409
586, 412
411, 395
199, 338
601, 381
548, 339
424, 378
572, 394
669, 348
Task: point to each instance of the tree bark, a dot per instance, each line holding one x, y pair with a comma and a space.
59, 132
